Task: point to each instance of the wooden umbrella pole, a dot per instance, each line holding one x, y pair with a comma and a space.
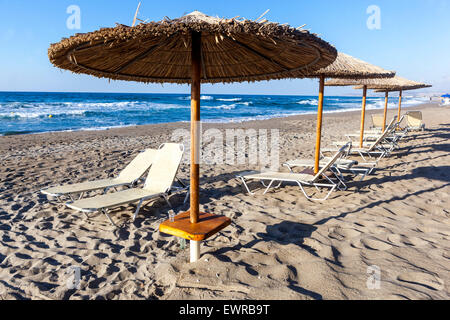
195, 141
363, 116
319, 124
399, 105
386, 100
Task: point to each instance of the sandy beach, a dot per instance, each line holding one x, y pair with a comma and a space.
279, 245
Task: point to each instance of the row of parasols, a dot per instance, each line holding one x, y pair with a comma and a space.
196, 49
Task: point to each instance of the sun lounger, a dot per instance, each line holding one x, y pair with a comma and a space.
157, 185
371, 135
376, 150
341, 166
392, 139
128, 177
320, 180
414, 121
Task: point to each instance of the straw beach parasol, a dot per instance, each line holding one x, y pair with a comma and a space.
384, 85
195, 49
348, 67
386, 90
232, 50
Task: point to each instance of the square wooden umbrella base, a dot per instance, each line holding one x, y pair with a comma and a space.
208, 225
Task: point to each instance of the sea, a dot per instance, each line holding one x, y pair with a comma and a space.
39, 112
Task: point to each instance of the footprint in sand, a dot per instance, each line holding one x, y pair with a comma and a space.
375, 244
395, 239
438, 253
423, 279
402, 241
340, 233
414, 241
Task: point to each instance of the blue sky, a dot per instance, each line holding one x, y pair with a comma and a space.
414, 39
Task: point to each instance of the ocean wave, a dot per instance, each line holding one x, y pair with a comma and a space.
101, 112
309, 102
201, 98
230, 100
33, 115
221, 107
119, 104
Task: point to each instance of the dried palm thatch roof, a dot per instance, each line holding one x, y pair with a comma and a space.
413, 87
348, 67
233, 50
386, 84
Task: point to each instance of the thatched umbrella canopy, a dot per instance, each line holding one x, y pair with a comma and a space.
382, 85
195, 49
412, 87
390, 84
347, 67
232, 50
388, 89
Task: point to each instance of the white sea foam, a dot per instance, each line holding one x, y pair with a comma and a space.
31, 115
308, 102
230, 100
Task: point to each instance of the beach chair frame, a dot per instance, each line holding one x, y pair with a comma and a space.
151, 198
410, 127
333, 185
71, 195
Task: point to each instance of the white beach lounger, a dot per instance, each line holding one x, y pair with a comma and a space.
371, 135
302, 179
340, 167
414, 121
157, 185
392, 139
128, 177
375, 151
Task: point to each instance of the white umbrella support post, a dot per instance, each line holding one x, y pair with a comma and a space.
195, 251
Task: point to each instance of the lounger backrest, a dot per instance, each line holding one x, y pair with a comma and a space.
377, 121
138, 166
392, 124
164, 168
414, 118
337, 156
386, 132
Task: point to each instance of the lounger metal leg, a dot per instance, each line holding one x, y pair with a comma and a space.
246, 186
342, 181
187, 196
138, 209
289, 167
105, 212
167, 200
268, 187
328, 194
362, 156
333, 187
303, 190
361, 172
